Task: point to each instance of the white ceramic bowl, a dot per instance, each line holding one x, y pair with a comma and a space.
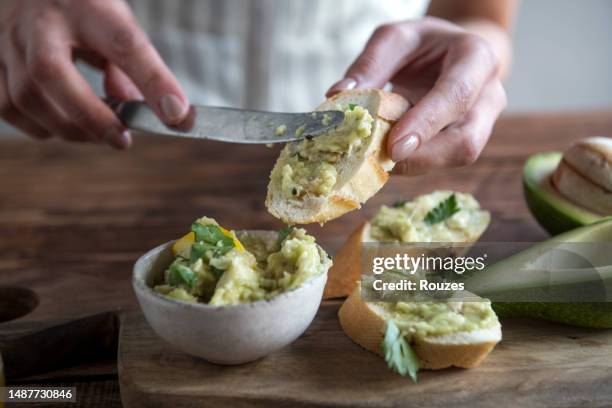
232, 334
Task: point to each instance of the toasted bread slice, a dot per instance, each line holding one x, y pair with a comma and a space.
360, 175
346, 271
365, 324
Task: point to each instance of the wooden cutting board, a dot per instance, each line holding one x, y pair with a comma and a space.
536, 364
75, 217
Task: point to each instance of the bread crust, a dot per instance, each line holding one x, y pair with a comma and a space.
391, 106
367, 176
592, 158
578, 188
342, 281
361, 322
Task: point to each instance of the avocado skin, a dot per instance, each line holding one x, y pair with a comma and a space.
551, 219
581, 314
597, 315
553, 212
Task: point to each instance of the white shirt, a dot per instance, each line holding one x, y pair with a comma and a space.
264, 54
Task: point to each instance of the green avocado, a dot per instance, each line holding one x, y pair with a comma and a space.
555, 213
579, 275
597, 315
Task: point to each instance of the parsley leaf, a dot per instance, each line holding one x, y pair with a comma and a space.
399, 203
443, 211
283, 234
398, 354
198, 250
210, 238
351, 106
181, 275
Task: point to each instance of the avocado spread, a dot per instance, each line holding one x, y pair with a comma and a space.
422, 319
311, 169
441, 216
213, 266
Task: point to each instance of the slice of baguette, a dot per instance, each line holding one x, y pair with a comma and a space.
365, 324
592, 157
346, 271
584, 175
360, 176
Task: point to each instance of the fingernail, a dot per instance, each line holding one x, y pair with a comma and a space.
124, 140
173, 108
117, 138
404, 148
342, 85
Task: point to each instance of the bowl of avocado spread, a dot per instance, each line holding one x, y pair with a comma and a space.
231, 297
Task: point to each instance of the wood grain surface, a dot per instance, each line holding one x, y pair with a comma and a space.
534, 366
74, 217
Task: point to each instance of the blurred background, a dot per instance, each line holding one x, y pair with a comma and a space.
562, 57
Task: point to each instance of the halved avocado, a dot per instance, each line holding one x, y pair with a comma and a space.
524, 284
555, 213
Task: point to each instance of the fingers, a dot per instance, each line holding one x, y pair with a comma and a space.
118, 85
124, 43
462, 142
468, 65
26, 96
387, 51
12, 116
48, 63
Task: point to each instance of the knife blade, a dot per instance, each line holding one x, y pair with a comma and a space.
229, 124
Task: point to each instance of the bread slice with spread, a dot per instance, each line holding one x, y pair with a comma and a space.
422, 335
319, 179
411, 334
441, 216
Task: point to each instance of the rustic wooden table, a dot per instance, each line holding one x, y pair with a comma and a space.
73, 218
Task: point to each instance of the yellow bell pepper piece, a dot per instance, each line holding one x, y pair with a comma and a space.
231, 234
183, 243
187, 240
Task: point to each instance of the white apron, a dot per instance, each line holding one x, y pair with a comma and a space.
264, 54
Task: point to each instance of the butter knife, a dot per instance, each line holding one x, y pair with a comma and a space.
229, 124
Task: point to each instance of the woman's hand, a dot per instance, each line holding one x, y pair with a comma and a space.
43, 94
450, 77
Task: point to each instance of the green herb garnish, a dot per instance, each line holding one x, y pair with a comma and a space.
210, 238
443, 211
351, 106
181, 275
399, 204
398, 354
198, 250
283, 234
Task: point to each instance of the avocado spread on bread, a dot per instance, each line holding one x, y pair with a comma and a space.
422, 319
213, 266
441, 216
312, 168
